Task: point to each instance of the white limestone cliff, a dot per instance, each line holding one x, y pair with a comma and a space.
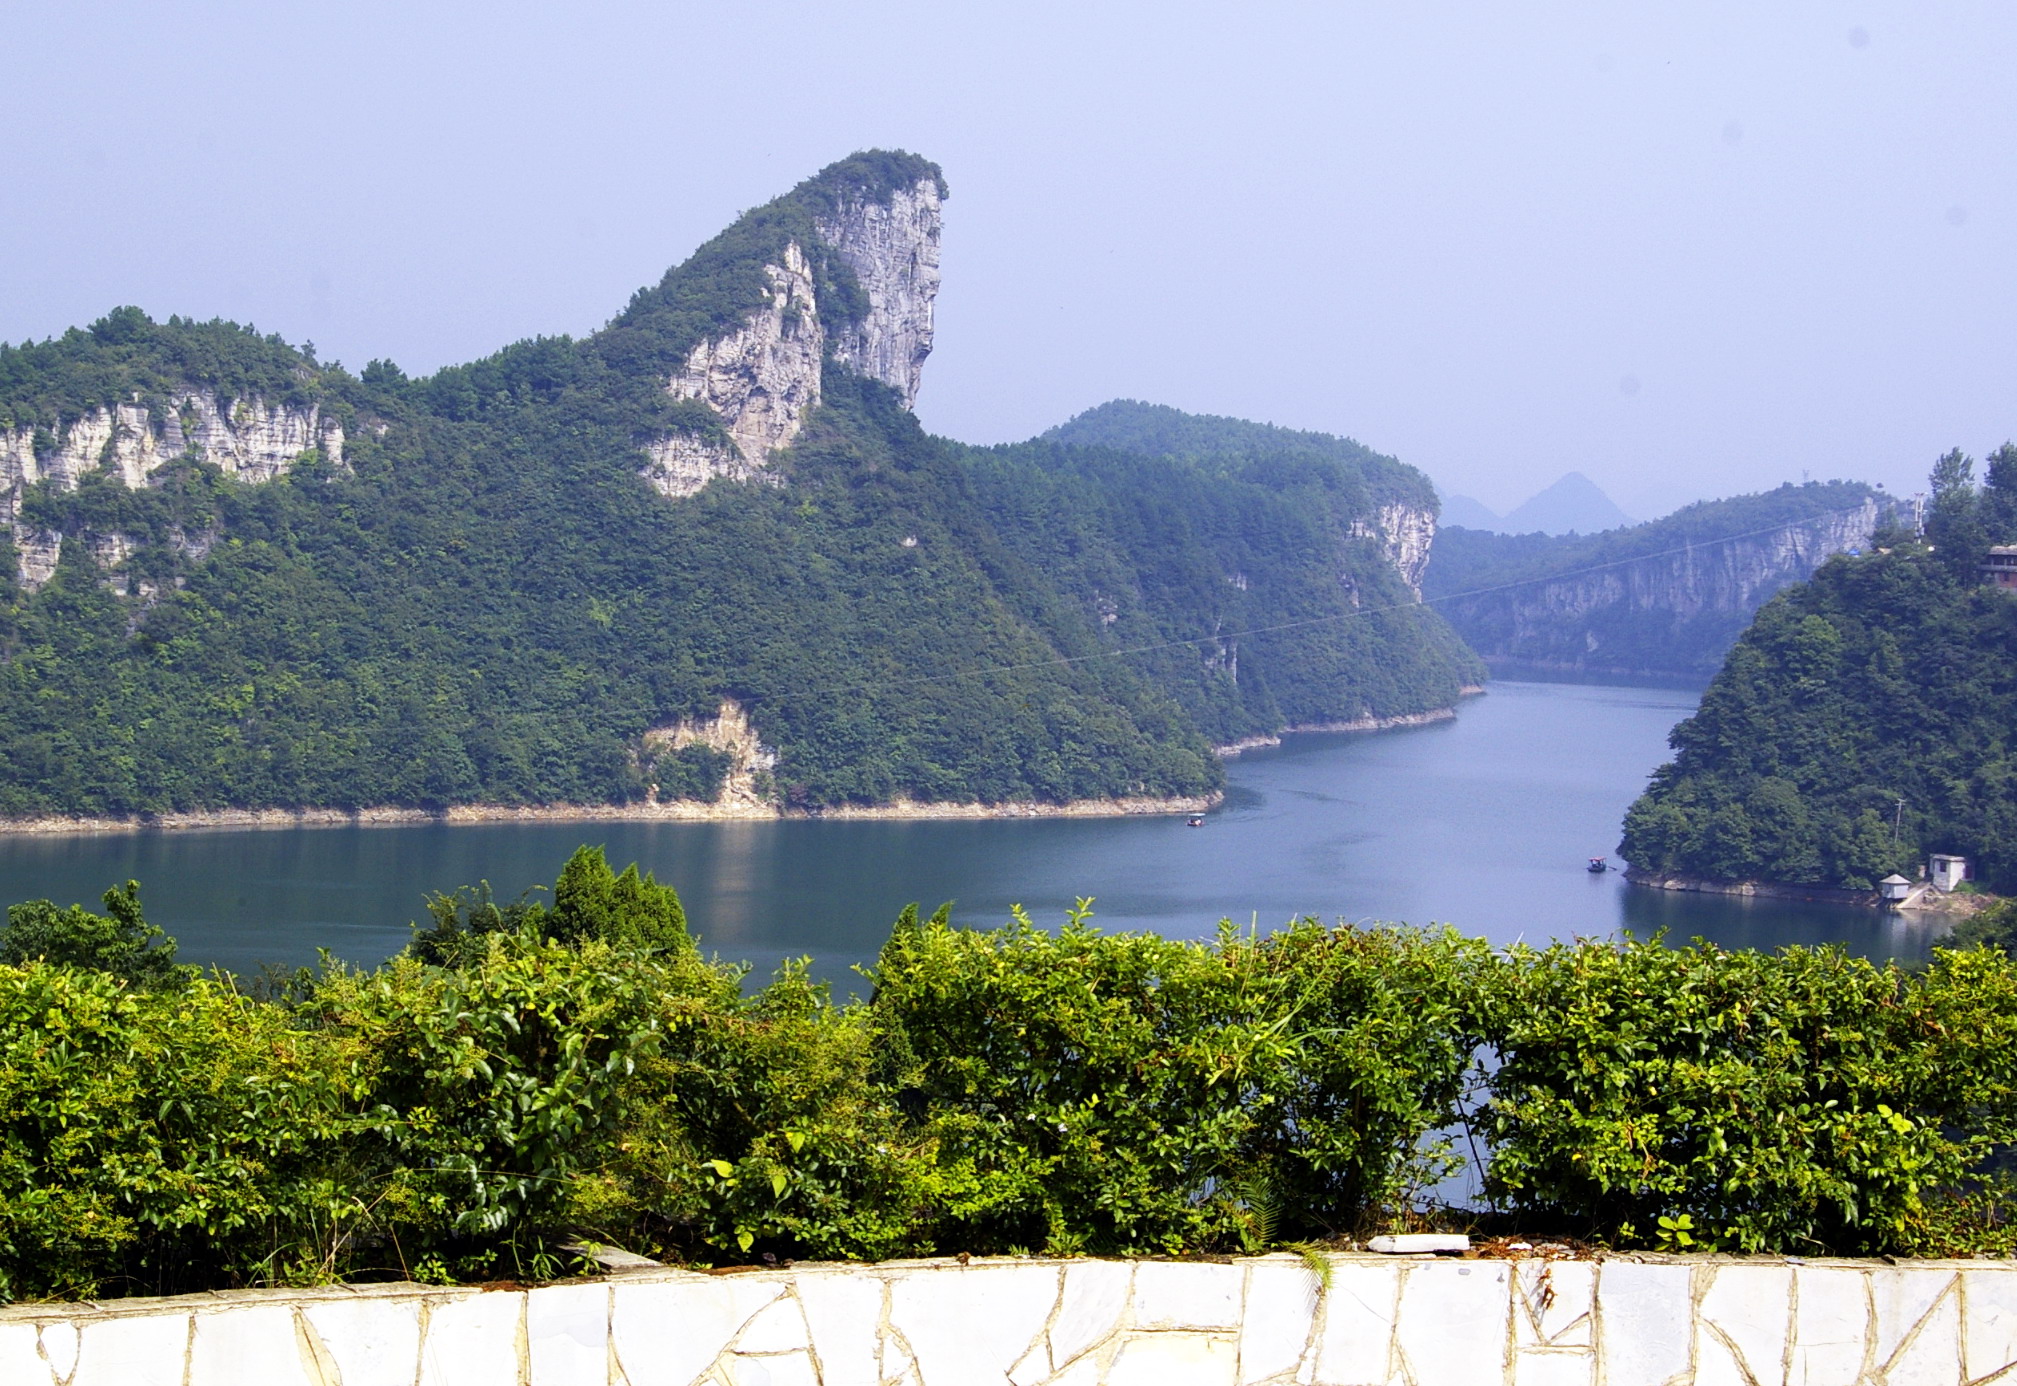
1733, 577
35, 555
248, 439
1581, 620
745, 790
893, 250
1405, 533
764, 378
680, 464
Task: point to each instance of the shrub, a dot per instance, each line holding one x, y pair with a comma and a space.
758, 1128
1131, 1093
120, 941
1799, 1101
524, 1077
152, 1141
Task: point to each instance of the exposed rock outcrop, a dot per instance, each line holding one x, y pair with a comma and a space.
680, 464
745, 790
1730, 577
35, 555
1674, 611
893, 250
763, 378
248, 439
1406, 533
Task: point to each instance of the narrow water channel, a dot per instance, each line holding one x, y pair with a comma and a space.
1485, 822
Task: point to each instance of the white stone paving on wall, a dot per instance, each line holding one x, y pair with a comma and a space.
1265, 1321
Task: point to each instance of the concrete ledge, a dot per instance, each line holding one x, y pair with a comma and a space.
1265, 1321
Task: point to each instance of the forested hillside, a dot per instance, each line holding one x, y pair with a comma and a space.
1156, 430
1667, 597
1867, 717
239, 577
1161, 549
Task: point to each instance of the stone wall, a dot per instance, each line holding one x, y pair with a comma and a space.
1382, 1321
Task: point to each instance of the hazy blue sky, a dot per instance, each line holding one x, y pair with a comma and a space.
1688, 249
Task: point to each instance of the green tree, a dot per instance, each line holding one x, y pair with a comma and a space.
1954, 515
1999, 495
592, 901
120, 941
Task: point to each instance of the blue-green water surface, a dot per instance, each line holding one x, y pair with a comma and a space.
1485, 822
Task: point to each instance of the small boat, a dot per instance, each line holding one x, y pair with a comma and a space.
1197, 820
1598, 866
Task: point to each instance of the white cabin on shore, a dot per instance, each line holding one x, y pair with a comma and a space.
1947, 872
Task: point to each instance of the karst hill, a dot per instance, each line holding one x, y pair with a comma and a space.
703, 560
1865, 720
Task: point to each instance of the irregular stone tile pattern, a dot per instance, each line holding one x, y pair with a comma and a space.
1265, 1321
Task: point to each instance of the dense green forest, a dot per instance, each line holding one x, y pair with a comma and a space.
1156, 430
483, 602
1866, 718
1669, 596
1161, 548
530, 1075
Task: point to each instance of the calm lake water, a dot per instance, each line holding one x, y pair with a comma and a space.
1484, 822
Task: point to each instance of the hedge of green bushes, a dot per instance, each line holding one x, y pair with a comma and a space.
527, 1078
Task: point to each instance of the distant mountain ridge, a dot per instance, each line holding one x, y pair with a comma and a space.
1462, 512
1866, 718
1573, 505
1667, 597
701, 561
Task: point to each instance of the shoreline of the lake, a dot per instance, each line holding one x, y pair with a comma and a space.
677, 811
1958, 905
1331, 826
693, 811
1357, 724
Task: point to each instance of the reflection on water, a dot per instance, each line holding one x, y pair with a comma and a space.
1484, 822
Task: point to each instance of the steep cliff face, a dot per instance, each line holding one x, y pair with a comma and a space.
892, 247
763, 377
35, 555
248, 439
1657, 598
1405, 532
745, 785
680, 464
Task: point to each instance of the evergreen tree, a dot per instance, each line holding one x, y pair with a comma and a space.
120, 941
592, 901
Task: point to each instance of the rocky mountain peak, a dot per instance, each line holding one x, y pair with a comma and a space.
854, 280
892, 247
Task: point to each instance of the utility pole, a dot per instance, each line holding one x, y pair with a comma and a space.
1897, 819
